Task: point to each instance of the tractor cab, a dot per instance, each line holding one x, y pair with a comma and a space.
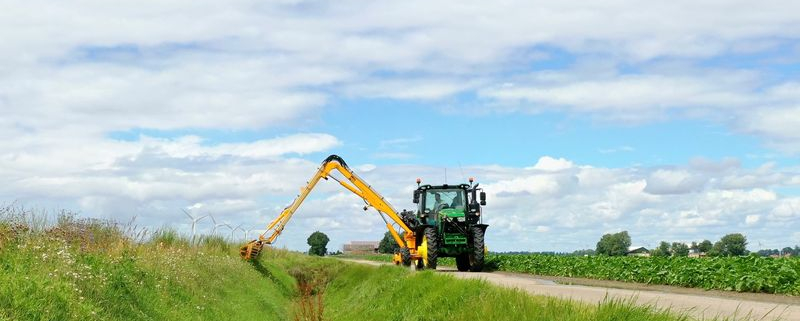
449, 202
440, 201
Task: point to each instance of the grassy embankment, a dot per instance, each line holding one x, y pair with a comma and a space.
91, 270
742, 274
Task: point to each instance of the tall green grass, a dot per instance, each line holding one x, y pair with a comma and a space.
360, 292
80, 269
391, 293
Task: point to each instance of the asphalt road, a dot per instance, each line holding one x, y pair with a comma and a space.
698, 306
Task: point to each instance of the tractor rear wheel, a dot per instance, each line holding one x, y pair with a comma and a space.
462, 262
432, 249
477, 256
405, 256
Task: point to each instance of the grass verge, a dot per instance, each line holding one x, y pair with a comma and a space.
359, 292
90, 270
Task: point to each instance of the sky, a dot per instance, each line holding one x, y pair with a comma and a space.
675, 120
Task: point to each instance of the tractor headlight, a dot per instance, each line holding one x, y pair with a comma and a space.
459, 219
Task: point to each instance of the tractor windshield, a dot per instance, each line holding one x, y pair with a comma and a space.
439, 199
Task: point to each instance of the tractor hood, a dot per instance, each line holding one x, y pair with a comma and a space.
451, 212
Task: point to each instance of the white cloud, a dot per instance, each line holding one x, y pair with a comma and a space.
625, 93
736, 98
547, 163
664, 181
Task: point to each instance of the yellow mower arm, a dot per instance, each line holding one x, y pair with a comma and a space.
354, 184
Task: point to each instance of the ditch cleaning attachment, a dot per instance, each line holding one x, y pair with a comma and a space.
251, 249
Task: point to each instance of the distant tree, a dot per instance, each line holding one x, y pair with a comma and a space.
788, 250
318, 242
661, 250
694, 247
614, 244
730, 245
705, 246
388, 244
679, 249
769, 252
586, 252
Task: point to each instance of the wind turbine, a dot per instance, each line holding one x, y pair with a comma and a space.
238, 227
247, 233
194, 221
216, 225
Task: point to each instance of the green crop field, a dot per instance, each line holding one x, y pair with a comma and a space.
742, 274
88, 270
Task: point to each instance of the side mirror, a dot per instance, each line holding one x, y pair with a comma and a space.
483, 198
416, 197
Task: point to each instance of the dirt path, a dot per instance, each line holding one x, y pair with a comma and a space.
698, 305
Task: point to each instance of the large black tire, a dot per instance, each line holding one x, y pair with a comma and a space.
462, 262
477, 256
405, 256
433, 247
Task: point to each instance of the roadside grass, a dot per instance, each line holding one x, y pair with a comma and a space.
83, 269
360, 292
429, 296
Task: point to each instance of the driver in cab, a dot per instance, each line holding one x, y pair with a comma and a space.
438, 204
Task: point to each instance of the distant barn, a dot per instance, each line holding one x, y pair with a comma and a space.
637, 251
360, 247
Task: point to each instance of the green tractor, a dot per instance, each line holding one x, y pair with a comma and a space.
448, 223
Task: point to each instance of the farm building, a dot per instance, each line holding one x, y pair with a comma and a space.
697, 254
360, 247
637, 251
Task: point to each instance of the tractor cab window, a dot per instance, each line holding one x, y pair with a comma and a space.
437, 200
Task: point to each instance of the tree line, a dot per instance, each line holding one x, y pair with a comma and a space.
782, 252
612, 244
734, 244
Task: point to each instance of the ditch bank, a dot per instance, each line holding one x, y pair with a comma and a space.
331, 289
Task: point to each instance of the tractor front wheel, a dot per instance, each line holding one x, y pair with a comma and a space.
430, 241
477, 255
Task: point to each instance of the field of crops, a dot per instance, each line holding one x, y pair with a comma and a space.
742, 274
